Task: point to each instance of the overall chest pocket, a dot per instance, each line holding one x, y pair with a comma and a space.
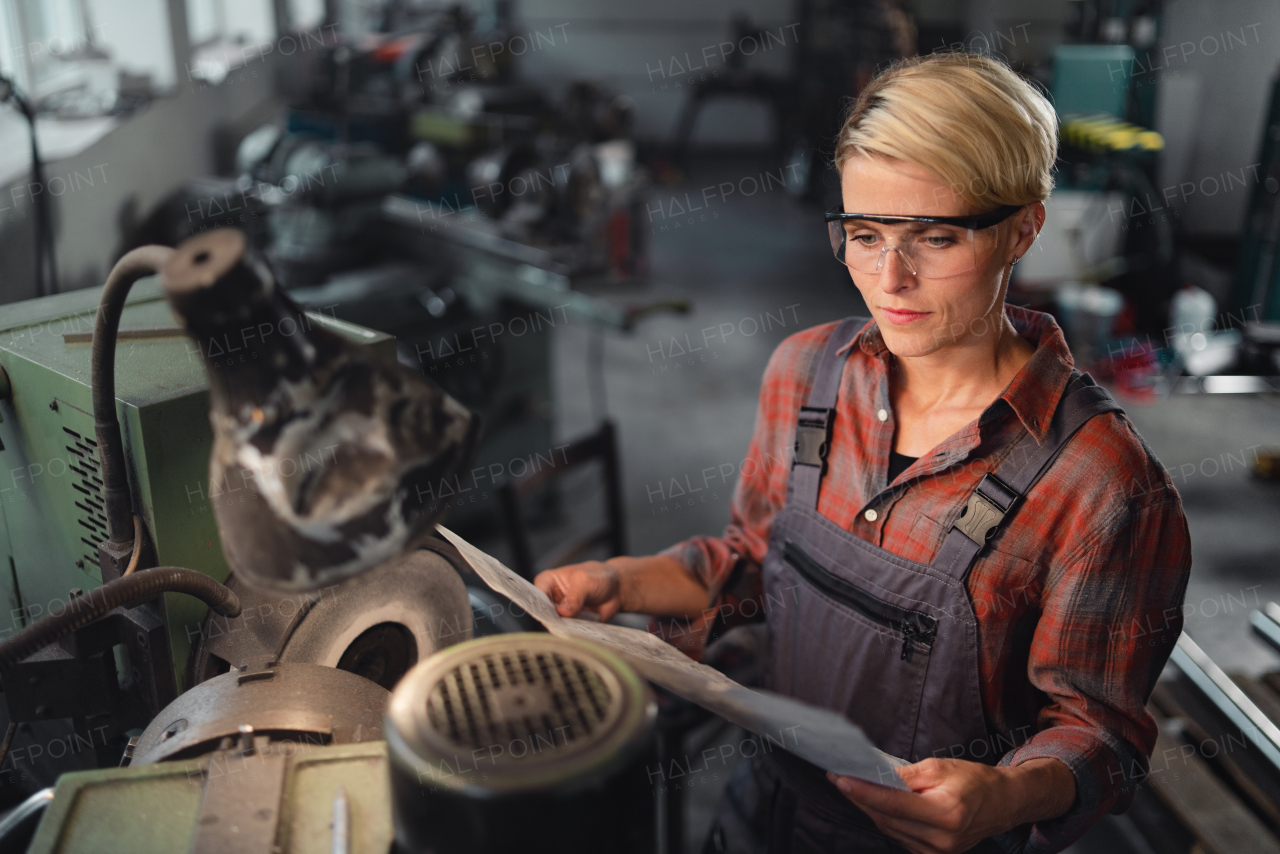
843, 648
917, 629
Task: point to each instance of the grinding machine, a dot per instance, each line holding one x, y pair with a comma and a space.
225, 598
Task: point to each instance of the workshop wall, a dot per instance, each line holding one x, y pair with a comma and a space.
631, 47
1213, 93
1023, 32
652, 51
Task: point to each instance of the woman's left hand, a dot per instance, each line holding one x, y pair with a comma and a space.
953, 804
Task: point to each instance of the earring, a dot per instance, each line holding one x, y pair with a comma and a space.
1016, 259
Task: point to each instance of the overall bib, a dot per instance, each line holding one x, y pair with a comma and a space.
890, 643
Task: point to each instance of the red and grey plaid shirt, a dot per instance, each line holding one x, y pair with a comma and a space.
1078, 598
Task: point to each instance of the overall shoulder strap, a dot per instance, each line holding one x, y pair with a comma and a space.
813, 425
997, 495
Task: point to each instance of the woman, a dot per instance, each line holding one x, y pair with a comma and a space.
949, 528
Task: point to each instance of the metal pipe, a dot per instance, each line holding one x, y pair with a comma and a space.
1227, 697
1266, 624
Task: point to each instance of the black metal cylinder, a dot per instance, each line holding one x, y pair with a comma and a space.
522, 742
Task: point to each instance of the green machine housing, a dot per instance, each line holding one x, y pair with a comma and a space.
155, 809
51, 514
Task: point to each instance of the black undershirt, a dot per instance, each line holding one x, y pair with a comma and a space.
898, 463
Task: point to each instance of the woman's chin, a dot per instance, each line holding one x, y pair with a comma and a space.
907, 343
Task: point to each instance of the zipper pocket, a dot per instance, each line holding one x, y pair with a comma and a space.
916, 626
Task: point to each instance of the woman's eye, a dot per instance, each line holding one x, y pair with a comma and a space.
939, 242
864, 239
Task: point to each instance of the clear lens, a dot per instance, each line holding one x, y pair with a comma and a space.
928, 251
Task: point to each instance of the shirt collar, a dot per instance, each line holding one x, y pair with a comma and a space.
1034, 393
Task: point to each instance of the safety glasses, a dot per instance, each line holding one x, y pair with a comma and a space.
931, 247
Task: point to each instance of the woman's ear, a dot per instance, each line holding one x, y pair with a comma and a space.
1029, 228
1031, 225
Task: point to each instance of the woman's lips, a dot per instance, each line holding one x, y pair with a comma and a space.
902, 316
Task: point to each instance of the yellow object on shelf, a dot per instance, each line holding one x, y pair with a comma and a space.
1107, 133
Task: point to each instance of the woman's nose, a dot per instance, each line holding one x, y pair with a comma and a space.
896, 270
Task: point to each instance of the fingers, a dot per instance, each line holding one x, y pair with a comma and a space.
571, 602
608, 609
584, 585
546, 582
886, 807
952, 804
561, 589
924, 774
870, 796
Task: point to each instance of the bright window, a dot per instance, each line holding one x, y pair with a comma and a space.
306, 14
135, 34
70, 53
225, 34
55, 40
203, 24
11, 45
236, 21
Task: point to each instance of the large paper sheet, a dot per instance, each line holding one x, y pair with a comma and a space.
823, 737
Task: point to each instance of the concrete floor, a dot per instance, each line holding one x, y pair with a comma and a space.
1208, 443
679, 415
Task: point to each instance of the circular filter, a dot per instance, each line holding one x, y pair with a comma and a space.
517, 712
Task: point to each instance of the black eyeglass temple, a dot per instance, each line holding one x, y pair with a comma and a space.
980, 221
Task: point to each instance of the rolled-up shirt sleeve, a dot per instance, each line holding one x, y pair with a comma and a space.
728, 565
1111, 615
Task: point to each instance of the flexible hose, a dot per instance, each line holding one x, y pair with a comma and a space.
8, 740
127, 591
143, 261
19, 824
137, 546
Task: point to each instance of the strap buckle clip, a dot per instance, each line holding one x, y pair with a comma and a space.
985, 512
813, 437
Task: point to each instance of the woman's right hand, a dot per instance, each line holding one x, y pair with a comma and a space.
589, 586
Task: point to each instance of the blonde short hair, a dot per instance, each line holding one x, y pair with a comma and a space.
967, 118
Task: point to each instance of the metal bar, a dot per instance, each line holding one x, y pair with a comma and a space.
341, 823
483, 236
1267, 625
240, 812
1242, 384
1218, 688
670, 800
613, 487
126, 333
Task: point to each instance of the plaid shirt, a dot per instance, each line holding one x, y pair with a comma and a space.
1078, 598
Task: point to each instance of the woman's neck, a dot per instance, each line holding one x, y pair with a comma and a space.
937, 394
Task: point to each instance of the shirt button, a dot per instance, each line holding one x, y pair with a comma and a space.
883, 415
871, 515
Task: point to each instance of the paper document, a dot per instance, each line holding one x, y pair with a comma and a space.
821, 736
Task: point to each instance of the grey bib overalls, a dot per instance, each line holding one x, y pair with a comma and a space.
891, 643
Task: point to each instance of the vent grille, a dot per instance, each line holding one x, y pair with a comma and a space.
523, 696
518, 712
82, 461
